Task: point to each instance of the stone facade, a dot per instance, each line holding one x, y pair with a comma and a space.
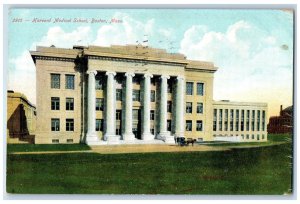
21, 118
122, 94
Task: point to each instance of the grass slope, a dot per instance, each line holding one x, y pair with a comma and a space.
262, 170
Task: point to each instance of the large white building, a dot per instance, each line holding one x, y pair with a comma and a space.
134, 94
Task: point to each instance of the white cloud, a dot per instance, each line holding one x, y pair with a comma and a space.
21, 76
252, 64
60, 38
128, 32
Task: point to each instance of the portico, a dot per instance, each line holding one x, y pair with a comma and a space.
127, 137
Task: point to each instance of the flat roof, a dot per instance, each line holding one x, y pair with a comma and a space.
137, 52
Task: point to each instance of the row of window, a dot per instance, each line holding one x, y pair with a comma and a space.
55, 103
69, 82
247, 137
189, 107
189, 125
190, 88
136, 80
56, 141
55, 124
241, 124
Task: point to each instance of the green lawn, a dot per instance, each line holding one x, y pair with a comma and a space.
272, 139
262, 170
45, 147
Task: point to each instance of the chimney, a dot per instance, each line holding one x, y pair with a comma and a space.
280, 109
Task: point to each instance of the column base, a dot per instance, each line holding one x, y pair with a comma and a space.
166, 137
147, 136
91, 138
128, 137
112, 139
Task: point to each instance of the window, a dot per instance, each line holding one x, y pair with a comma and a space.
199, 107
215, 120
99, 82
136, 80
226, 120
55, 141
69, 81
263, 121
135, 114
258, 121
237, 112
69, 124
69, 103
152, 96
99, 104
253, 137
242, 120
55, 124
189, 88
258, 137
169, 123
252, 121
152, 115
199, 125
55, 81
118, 131
69, 140
169, 106
200, 89
169, 89
118, 114
54, 103
99, 124
152, 131
247, 120
189, 107
231, 120
136, 95
188, 126
263, 137
119, 94
243, 137
220, 119
247, 137
153, 81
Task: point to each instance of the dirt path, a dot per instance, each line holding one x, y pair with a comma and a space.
120, 149
154, 148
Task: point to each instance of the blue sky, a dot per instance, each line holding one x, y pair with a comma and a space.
252, 48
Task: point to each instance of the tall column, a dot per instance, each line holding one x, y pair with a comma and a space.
128, 135
179, 118
146, 134
91, 135
110, 116
164, 134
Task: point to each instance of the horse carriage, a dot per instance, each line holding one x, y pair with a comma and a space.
182, 141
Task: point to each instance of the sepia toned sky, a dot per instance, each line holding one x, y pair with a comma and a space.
253, 49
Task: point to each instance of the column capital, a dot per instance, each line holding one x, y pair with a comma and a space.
129, 74
148, 75
180, 77
165, 76
92, 72
113, 73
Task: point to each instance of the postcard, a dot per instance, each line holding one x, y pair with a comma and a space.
168, 101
